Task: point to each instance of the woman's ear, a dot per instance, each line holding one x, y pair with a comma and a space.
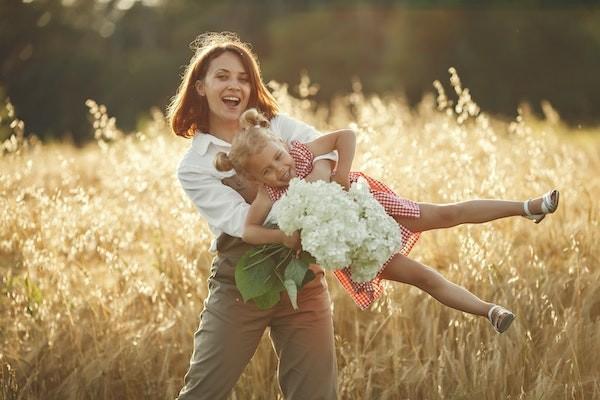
200, 88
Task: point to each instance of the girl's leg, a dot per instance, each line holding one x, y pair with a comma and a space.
436, 216
403, 269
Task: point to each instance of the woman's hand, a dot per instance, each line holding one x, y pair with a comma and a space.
293, 242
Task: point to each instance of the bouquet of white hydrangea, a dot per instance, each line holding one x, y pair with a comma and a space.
339, 228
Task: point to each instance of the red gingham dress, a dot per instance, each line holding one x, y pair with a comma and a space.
363, 293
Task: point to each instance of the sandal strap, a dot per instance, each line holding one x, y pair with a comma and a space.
491, 312
497, 314
548, 204
526, 208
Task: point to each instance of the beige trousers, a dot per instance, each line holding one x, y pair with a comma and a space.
230, 331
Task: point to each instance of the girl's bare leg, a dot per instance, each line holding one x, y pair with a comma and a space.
436, 216
403, 269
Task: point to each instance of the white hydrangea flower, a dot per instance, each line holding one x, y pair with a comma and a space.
339, 228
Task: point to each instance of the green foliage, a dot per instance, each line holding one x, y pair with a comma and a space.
294, 278
263, 272
295, 271
254, 274
267, 300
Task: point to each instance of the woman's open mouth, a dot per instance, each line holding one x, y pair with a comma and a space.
231, 101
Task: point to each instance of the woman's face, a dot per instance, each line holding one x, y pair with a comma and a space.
273, 166
226, 87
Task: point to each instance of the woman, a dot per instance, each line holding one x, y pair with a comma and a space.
221, 81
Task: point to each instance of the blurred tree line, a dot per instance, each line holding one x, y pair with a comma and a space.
130, 54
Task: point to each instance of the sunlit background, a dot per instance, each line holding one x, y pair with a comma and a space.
104, 261
129, 54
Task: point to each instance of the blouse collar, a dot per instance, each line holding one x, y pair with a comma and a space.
202, 141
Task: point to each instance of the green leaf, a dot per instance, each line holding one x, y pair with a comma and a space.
307, 258
268, 299
282, 260
295, 271
292, 291
256, 281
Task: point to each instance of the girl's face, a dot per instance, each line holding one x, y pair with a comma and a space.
226, 87
273, 166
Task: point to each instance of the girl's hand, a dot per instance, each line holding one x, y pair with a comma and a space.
321, 171
293, 242
342, 180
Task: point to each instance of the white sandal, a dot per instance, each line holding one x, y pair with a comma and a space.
500, 318
549, 205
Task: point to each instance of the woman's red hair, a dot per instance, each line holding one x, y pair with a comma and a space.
188, 111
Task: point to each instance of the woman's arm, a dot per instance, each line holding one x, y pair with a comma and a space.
256, 233
220, 205
344, 141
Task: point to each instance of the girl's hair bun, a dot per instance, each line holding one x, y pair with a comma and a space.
252, 117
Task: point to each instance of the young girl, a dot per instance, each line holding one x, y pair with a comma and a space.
263, 158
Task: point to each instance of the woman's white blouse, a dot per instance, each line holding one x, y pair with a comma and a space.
221, 206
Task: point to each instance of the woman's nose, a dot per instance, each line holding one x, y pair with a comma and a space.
234, 84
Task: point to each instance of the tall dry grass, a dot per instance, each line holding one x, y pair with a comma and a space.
104, 261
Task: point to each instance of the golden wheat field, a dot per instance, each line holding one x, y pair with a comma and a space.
104, 260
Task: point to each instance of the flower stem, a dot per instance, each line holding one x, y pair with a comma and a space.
286, 258
263, 248
278, 250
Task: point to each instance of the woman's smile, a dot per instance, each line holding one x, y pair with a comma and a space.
231, 101
226, 88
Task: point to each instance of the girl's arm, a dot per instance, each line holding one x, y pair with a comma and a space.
321, 170
256, 233
344, 141
291, 129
